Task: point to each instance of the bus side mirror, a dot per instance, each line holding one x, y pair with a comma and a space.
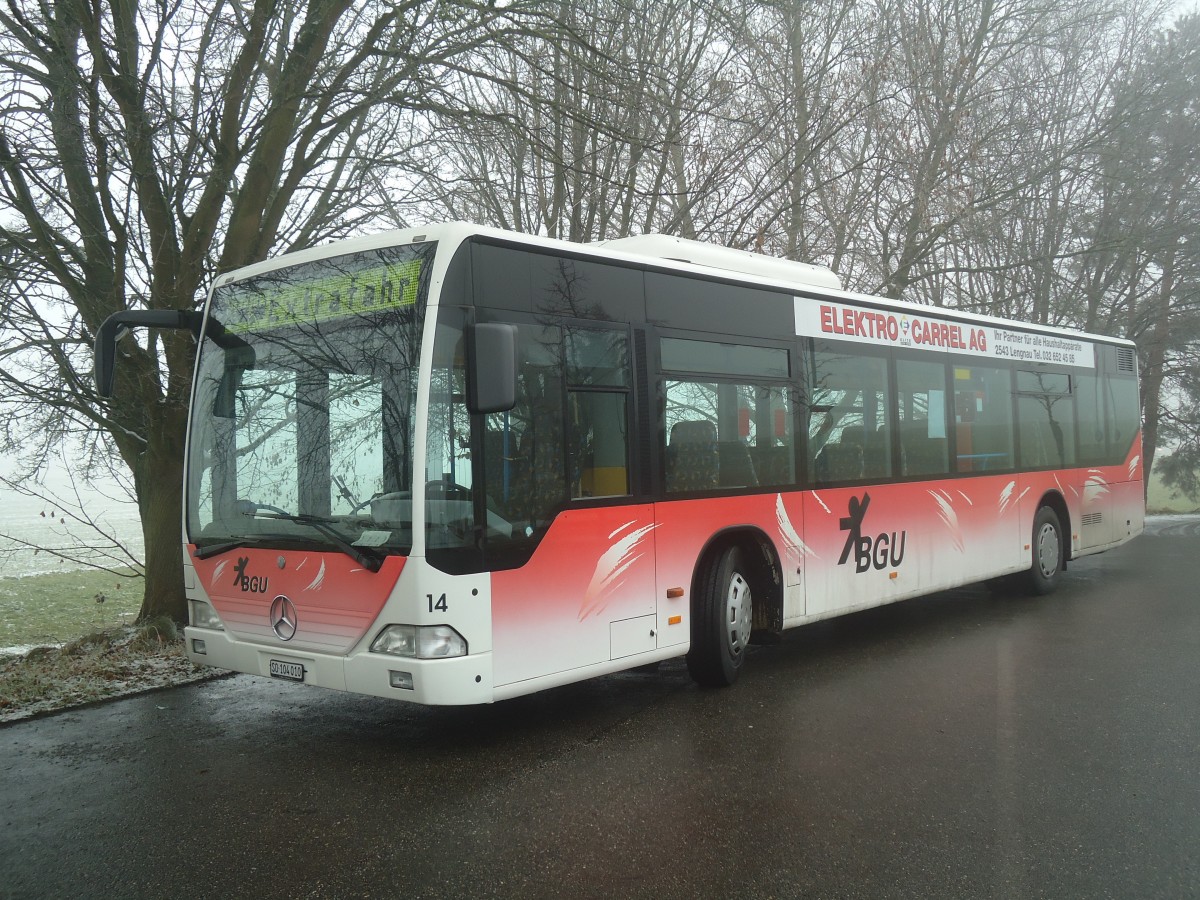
492, 348
118, 324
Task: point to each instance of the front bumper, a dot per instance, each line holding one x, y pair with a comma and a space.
459, 681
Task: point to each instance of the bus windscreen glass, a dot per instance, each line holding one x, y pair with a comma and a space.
304, 435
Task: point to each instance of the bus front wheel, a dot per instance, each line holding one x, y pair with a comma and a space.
722, 616
1047, 551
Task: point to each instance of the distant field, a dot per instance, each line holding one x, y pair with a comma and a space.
1162, 499
52, 608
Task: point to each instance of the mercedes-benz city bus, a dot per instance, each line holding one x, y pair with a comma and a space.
454, 464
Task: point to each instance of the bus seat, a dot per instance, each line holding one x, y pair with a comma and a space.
773, 464
736, 466
876, 460
873, 448
692, 458
852, 435
839, 462
923, 455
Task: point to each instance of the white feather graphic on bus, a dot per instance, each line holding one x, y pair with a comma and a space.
612, 564
1096, 485
791, 538
1006, 496
949, 517
319, 581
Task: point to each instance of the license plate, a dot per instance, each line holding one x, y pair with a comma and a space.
289, 670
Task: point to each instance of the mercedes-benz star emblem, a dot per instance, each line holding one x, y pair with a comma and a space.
283, 618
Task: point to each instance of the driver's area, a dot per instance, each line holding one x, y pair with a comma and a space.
495, 482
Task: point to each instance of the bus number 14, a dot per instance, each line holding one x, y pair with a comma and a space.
439, 604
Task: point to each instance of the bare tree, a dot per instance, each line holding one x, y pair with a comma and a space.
598, 130
811, 80
1156, 196
146, 148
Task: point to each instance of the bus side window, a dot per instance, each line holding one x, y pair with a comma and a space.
1089, 410
723, 435
523, 452
921, 402
598, 383
849, 437
1121, 397
1046, 412
983, 418
598, 443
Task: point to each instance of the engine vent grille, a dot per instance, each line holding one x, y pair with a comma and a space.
1093, 519
1124, 359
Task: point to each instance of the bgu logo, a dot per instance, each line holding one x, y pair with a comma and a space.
254, 584
869, 551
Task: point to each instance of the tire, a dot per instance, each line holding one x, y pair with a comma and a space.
722, 616
1048, 553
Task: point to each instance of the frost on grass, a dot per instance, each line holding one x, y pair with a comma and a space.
98, 666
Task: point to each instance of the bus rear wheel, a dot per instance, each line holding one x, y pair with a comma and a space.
722, 617
1047, 552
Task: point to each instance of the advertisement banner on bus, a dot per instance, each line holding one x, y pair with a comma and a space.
885, 328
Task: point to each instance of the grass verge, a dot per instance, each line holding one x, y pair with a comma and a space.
54, 608
100, 665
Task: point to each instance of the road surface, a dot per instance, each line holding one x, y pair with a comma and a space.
962, 745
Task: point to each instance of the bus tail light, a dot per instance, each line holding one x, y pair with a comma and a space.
420, 641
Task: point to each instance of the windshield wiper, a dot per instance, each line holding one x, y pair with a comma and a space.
368, 560
231, 544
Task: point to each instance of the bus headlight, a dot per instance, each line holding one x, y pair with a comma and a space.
420, 641
204, 616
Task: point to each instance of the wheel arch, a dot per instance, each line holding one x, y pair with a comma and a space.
1058, 503
766, 572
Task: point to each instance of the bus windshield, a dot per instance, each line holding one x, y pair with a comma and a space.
302, 421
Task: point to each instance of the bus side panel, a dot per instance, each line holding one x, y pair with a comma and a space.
874, 544
686, 528
1113, 507
856, 547
1033, 486
586, 595
1128, 511
1106, 504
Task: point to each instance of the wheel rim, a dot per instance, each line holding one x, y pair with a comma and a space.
1048, 550
739, 611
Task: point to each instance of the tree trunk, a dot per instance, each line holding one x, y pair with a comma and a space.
1152, 377
158, 476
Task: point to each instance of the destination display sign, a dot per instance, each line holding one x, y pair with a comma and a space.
328, 292
847, 322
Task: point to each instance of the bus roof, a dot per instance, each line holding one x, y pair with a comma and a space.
667, 252
714, 256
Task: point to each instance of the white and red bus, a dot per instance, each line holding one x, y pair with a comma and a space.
454, 464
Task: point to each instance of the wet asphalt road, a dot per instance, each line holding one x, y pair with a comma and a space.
963, 745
